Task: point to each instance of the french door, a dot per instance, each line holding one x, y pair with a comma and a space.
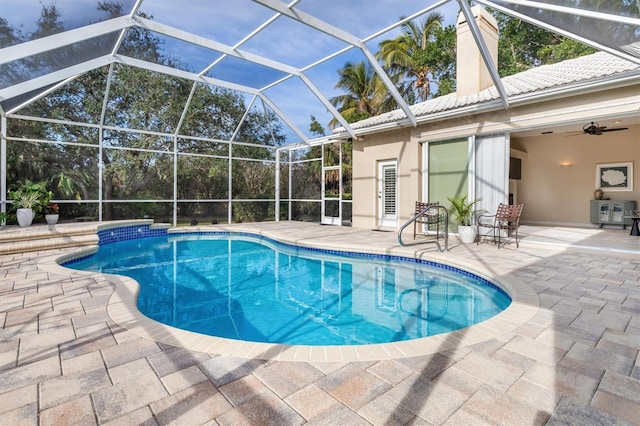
388, 194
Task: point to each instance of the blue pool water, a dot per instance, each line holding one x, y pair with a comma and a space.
256, 289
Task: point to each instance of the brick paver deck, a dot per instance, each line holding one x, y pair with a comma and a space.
63, 360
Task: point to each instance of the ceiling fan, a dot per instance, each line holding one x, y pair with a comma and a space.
595, 129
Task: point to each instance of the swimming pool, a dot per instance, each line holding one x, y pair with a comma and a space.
256, 289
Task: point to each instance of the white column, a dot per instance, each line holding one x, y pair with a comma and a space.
3, 163
175, 180
277, 187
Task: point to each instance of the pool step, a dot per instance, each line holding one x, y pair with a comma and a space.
49, 244
14, 239
37, 237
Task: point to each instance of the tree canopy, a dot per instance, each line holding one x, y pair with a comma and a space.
365, 94
407, 55
422, 62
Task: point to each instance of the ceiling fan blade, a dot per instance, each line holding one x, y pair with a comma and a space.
568, 135
614, 130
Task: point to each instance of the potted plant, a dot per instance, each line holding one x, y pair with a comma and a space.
463, 213
28, 200
52, 213
3, 219
25, 204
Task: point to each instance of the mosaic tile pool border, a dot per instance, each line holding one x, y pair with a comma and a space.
124, 233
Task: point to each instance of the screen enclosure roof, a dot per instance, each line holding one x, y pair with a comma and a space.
280, 56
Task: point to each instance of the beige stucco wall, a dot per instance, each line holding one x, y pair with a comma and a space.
367, 153
557, 195
472, 74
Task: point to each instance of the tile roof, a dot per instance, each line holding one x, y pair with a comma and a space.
536, 80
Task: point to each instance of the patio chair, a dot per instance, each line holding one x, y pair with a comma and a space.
430, 218
500, 225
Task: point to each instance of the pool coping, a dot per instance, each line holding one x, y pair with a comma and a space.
122, 309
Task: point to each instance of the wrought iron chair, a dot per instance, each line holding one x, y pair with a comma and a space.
429, 218
506, 219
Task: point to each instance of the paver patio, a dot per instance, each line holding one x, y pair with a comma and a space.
63, 360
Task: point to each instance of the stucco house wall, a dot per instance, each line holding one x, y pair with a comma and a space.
367, 153
553, 195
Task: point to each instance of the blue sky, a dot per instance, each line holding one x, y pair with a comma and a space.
284, 40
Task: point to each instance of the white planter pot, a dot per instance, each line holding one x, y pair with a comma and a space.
467, 234
25, 217
51, 219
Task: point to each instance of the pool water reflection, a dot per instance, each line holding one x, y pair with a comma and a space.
256, 289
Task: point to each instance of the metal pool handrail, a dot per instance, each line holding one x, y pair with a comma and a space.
422, 213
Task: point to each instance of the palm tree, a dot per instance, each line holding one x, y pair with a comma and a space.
405, 54
365, 93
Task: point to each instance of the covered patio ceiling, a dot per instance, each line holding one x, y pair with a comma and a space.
282, 56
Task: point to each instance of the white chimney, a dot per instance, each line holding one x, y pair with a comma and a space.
472, 75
